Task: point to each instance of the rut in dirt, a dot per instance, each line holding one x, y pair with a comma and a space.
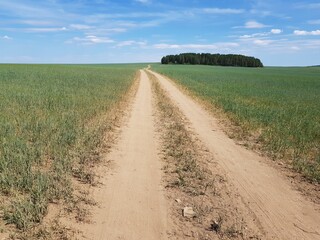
132, 203
281, 211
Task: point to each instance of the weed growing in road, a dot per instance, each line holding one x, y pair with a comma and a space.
190, 176
278, 107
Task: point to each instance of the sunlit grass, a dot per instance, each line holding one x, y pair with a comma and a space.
281, 104
50, 122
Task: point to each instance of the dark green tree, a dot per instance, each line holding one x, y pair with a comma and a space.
212, 59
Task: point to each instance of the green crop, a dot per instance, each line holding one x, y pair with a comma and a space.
50, 122
279, 104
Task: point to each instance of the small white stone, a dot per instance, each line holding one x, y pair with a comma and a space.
188, 212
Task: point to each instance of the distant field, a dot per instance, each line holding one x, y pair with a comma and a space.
50, 125
280, 105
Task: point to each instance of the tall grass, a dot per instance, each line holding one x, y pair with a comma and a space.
50, 124
280, 105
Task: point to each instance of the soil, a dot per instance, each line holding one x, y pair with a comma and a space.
280, 209
132, 200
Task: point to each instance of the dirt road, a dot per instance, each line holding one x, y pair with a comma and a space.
131, 199
282, 212
132, 204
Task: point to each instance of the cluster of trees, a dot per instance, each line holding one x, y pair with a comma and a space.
212, 59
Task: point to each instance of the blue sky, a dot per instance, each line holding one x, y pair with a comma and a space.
280, 33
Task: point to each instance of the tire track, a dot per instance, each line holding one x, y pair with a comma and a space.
282, 211
131, 199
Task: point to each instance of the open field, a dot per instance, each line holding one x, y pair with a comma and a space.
53, 119
106, 151
277, 209
189, 175
280, 107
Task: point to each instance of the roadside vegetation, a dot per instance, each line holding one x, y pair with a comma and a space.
53, 121
218, 211
277, 108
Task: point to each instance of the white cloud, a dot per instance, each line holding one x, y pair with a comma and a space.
263, 13
305, 33
37, 22
312, 44
261, 42
263, 34
45, 30
254, 35
115, 30
314, 5
310, 5
6, 37
223, 10
104, 31
80, 26
314, 22
28, 10
295, 48
130, 43
195, 46
91, 39
125, 43
246, 36
276, 31
254, 24
167, 46
143, 1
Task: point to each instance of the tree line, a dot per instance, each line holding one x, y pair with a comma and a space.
212, 59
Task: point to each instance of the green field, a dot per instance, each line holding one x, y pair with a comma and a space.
52, 120
279, 106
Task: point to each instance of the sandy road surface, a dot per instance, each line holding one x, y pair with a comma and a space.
132, 204
282, 212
